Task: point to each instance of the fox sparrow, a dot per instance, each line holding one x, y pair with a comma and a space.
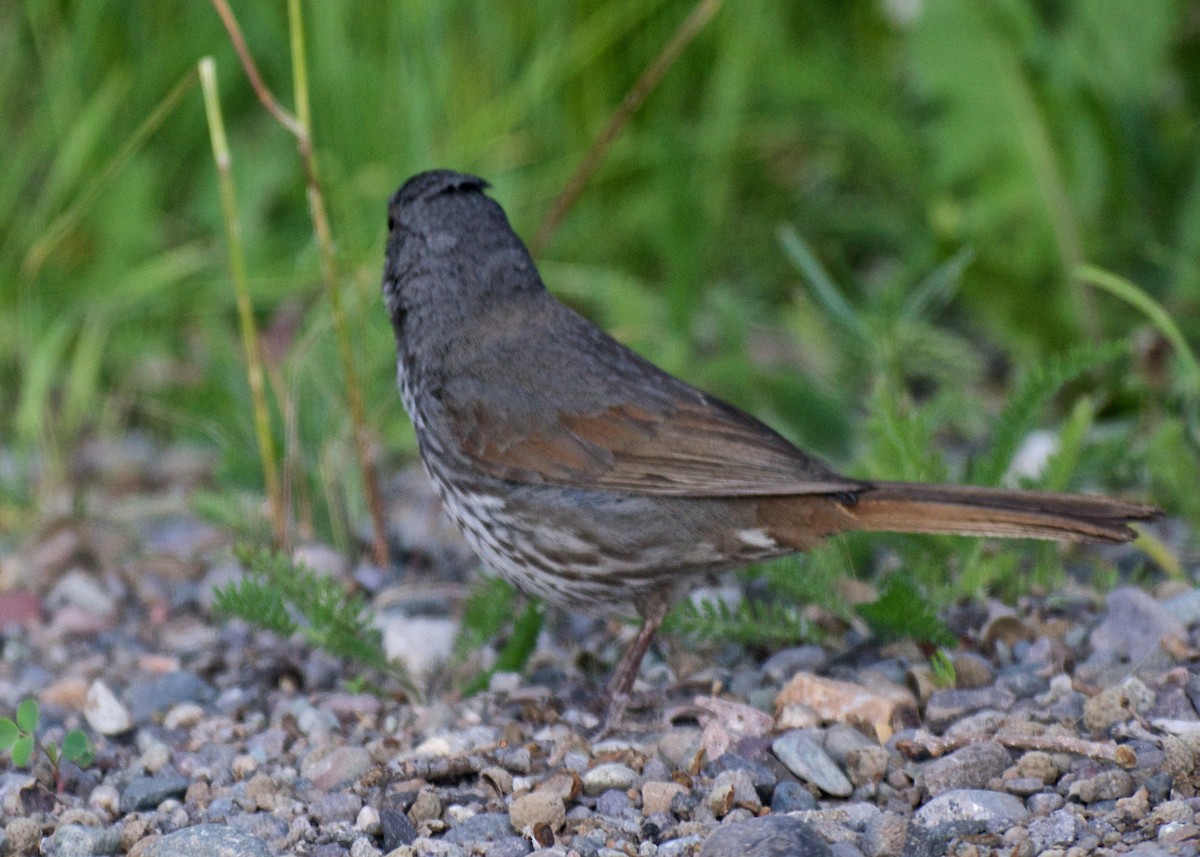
584, 474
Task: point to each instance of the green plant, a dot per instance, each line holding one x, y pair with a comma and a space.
902, 611
280, 596
489, 613
19, 738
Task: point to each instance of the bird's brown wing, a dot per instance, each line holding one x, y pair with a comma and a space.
695, 445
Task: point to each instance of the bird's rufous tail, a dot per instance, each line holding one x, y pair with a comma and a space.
912, 507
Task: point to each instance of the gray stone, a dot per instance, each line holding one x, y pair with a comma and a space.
840, 739
946, 706
612, 802
484, 827
260, 825
761, 774
885, 835
335, 806
397, 829
1060, 827
808, 760
426, 846
76, 840
206, 840
971, 767
781, 666
1135, 625
337, 768
967, 811
684, 846
144, 793
769, 836
509, 846
159, 694
1185, 607
1023, 681
790, 796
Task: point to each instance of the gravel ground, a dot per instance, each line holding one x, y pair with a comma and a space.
1074, 728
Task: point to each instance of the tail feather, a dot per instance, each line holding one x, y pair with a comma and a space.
911, 507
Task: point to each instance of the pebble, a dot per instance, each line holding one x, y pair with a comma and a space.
730, 790
144, 793
885, 835
807, 759
336, 768
74, 840
1117, 704
971, 767
1059, 828
334, 807
947, 706
611, 775
1106, 785
657, 796
206, 840
147, 698
419, 643
1135, 625
790, 796
971, 810
530, 811
770, 836
104, 712
484, 827
838, 701
785, 663
397, 829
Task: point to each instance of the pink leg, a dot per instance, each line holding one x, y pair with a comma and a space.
627, 670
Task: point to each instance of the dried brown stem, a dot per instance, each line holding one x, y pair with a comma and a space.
277, 110
927, 744
300, 128
691, 26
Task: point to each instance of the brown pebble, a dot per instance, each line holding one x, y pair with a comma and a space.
530, 811
657, 797
1106, 785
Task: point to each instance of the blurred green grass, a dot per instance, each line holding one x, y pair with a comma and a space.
889, 137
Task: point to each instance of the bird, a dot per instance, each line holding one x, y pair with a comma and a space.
584, 474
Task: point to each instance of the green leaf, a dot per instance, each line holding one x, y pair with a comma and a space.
28, 715
943, 668
22, 751
9, 733
78, 748
488, 610
523, 640
517, 648
824, 289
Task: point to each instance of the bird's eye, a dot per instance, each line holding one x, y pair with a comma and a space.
391, 223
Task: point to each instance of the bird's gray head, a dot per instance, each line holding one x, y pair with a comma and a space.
450, 246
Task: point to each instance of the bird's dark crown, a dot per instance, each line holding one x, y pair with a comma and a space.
425, 185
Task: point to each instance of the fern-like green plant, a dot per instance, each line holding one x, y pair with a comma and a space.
751, 622
281, 596
902, 611
1033, 392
